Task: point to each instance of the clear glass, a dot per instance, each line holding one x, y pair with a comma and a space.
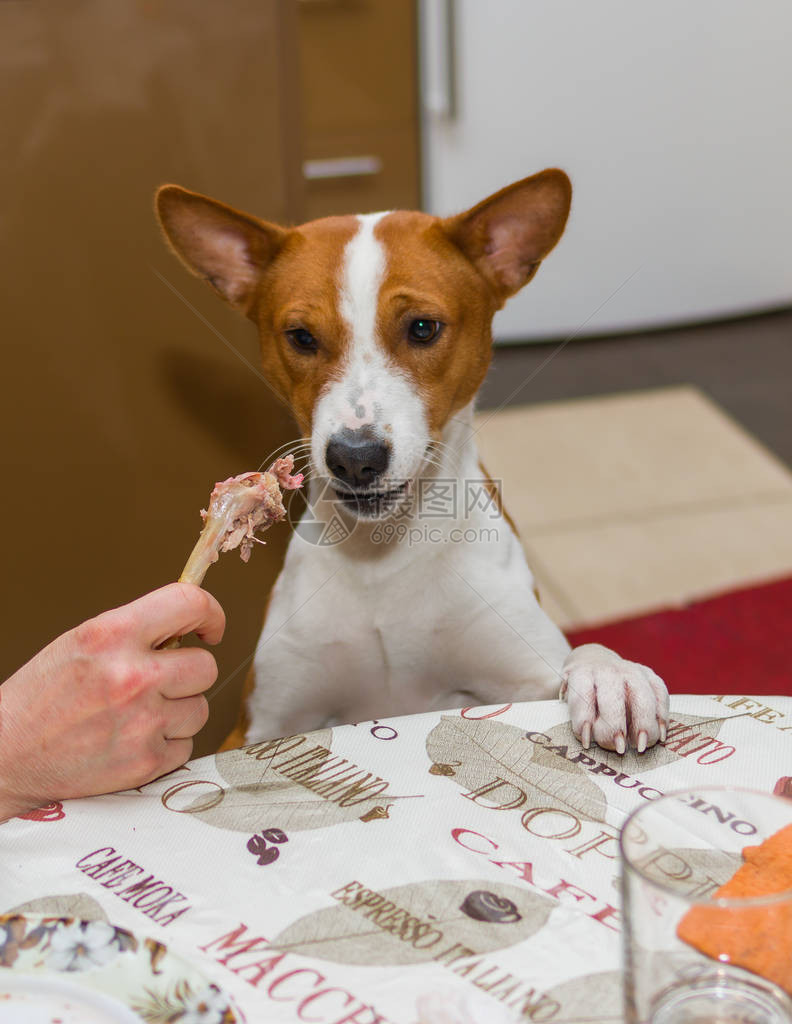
693, 955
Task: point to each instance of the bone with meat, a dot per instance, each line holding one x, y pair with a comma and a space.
238, 507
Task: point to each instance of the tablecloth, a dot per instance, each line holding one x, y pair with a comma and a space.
344, 876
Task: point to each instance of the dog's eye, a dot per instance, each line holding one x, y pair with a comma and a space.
422, 332
302, 340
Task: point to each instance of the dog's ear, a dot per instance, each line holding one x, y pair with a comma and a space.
226, 248
509, 234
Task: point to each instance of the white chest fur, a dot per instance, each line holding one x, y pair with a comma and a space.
442, 615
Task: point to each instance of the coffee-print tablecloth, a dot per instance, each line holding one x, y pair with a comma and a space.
360, 874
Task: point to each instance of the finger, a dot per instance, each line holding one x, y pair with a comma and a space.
165, 757
184, 672
175, 610
177, 752
185, 717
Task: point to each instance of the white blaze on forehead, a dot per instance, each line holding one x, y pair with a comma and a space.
362, 275
363, 271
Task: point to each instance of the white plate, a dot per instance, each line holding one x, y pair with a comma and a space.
90, 972
35, 1000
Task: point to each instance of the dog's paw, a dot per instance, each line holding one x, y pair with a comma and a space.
612, 701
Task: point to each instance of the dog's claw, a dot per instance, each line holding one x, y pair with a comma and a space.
585, 735
640, 746
620, 743
663, 732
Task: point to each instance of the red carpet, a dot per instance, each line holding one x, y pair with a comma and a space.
740, 642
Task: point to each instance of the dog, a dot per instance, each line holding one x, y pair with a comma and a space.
376, 329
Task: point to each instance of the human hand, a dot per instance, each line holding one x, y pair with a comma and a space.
101, 709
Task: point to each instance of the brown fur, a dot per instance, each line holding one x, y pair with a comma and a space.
495, 495
300, 289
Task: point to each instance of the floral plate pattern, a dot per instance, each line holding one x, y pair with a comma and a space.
94, 957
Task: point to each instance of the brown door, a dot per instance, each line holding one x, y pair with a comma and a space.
127, 388
359, 105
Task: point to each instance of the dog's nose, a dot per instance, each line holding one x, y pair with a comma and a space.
357, 457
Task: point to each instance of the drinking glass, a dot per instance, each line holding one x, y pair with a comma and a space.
691, 954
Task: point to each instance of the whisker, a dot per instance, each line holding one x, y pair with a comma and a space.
297, 442
297, 448
441, 454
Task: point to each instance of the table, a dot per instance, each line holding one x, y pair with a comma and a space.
343, 876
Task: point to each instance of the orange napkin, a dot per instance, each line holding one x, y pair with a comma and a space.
756, 938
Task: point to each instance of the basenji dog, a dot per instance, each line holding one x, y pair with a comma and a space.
376, 329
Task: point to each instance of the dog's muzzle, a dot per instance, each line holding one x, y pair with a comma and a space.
358, 461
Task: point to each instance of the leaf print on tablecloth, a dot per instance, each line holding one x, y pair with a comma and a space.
252, 765
412, 924
298, 780
248, 808
630, 763
72, 904
590, 999
490, 750
691, 869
